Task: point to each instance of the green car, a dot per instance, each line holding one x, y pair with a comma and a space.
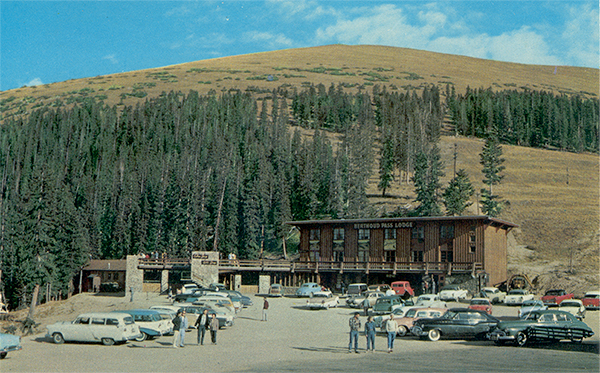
543, 325
386, 305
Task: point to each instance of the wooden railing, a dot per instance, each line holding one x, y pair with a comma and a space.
324, 266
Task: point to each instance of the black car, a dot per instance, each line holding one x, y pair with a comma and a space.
461, 323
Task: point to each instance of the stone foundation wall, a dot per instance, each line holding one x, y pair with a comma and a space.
205, 267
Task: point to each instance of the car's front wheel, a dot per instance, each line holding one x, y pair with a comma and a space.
142, 338
434, 335
521, 339
108, 341
58, 338
402, 330
3, 354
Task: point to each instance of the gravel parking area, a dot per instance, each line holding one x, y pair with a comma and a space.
297, 339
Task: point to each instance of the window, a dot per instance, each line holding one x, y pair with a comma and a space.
446, 256
418, 233
446, 231
473, 239
390, 234
364, 234
338, 234
338, 256
152, 276
417, 256
112, 322
315, 235
390, 256
97, 321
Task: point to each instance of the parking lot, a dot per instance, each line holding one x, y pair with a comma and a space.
297, 339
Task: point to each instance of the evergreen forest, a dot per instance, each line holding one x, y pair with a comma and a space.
189, 172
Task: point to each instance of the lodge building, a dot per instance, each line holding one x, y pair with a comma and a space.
413, 249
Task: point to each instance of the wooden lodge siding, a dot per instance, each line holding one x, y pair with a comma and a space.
477, 240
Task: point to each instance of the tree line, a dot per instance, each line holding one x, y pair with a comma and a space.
186, 172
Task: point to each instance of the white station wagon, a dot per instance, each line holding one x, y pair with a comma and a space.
106, 327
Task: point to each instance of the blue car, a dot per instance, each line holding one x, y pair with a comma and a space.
8, 343
150, 322
307, 289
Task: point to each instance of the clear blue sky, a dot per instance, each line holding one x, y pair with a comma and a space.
51, 41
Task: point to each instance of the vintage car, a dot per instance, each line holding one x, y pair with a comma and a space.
481, 304
322, 300
591, 300
357, 289
246, 301
548, 325
223, 315
461, 323
529, 306
403, 288
516, 297
172, 310
369, 296
381, 287
390, 303
574, 307
106, 327
276, 290
452, 292
430, 300
150, 322
189, 288
553, 297
9, 343
493, 294
218, 301
217, 286
168, 316
406, 322
306, 289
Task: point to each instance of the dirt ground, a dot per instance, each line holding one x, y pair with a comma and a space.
293, 339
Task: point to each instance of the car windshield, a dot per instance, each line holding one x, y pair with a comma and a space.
450, 287
592, 296
532, 316
479, 302
566, 303
554, 292
411, 313
531, 303
516, 292
128, 320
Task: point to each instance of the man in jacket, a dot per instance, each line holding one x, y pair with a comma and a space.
391, 327
201, 324
180, 324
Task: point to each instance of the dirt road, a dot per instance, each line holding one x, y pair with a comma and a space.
295, 339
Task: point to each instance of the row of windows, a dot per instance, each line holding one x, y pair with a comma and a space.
446, 232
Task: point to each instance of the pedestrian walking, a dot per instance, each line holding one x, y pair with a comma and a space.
265, 308
370, 333
354, 323
201, 323
366, 305
182, 329
214, 328
391, 327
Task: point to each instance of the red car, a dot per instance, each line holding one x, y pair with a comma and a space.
481, 304
591, 300
555, 296
402, 287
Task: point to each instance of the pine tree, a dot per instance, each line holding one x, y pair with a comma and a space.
428, 170
491, 160
458, 193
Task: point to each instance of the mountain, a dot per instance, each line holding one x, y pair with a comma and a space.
553, 195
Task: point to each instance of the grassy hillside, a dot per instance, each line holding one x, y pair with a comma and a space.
553, 196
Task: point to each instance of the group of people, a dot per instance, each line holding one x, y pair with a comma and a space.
203, 323
391, 328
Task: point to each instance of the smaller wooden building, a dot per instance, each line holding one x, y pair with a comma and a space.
408, 246
104, 275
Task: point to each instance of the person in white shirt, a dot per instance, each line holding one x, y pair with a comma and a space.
391, 327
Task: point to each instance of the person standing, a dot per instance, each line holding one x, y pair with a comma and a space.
201, 323
265, 308
176, 326
370, 333
354, 323
182, 328
391, 327
214, 327
366, 305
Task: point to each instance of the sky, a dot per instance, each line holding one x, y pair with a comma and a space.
44, 42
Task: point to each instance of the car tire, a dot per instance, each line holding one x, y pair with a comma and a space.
402, 330
108, 341
434, 335
58, 338
521, 339
3, 354
142, 338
